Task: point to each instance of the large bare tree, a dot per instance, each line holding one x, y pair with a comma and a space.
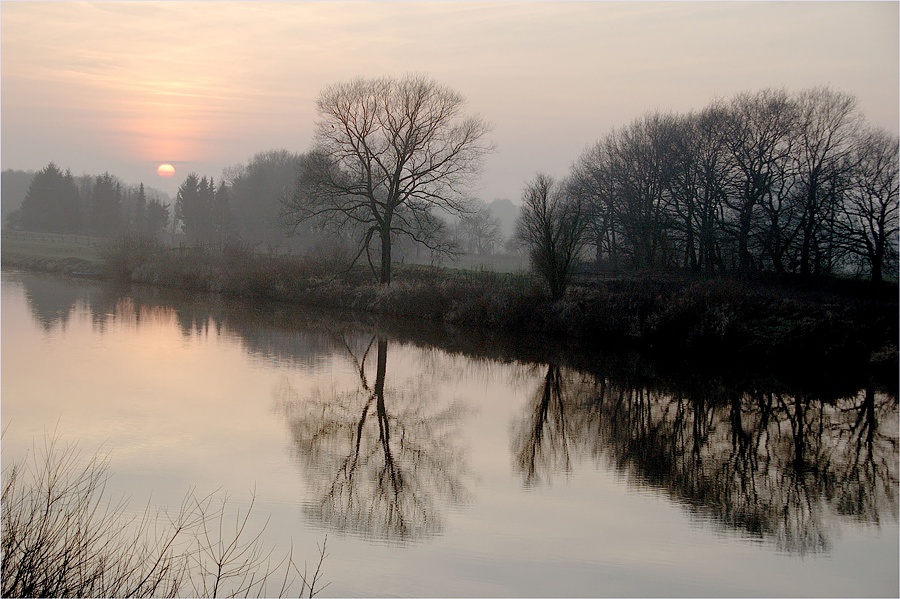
388, 154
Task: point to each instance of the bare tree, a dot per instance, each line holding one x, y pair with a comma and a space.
870, 224
828, 127
593, 180
388, 153
760, 131
554, 225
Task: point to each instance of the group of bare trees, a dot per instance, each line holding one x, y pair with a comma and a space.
767, 181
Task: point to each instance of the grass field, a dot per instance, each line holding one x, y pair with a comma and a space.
52, 251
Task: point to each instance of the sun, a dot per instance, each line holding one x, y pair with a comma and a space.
165, 170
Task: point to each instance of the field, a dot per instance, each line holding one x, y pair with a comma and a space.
53, 252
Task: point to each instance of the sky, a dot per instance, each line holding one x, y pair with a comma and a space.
122, 87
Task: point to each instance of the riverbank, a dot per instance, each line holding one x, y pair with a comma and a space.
771, 323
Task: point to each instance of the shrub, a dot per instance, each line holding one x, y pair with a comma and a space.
126, 254
62, 538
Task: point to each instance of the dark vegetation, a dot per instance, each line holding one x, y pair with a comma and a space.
766, 182
55, 201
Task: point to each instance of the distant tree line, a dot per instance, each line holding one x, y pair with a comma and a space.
766, 182
58, 202
241, 208
244, 208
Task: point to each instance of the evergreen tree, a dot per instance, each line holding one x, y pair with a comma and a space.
52, 203
106, 206
202, 218
188, 207
140, 212
156, 218
222, 224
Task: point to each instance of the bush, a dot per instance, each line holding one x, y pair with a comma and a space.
62, 538
121, 258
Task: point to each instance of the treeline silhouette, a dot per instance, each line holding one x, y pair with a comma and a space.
243, 206
56, 201
765, 181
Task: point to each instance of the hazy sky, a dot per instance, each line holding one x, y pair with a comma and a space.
124, 86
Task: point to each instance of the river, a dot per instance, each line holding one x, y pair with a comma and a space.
441, 463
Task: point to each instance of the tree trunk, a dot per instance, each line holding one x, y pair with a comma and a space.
745, 218
396, 481
877, 269
386, 258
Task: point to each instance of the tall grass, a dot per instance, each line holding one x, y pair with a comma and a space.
62, 537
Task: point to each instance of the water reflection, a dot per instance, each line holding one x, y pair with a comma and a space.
542, 438
786, 463
380, 459
775, 465
52, 301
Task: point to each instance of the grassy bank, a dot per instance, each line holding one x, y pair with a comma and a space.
53, 252
788, 324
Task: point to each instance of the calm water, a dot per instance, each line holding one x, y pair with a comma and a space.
441, 465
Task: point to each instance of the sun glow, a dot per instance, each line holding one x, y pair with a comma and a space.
165, 170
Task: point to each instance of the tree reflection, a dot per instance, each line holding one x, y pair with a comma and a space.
541, 438
781, 466
53, 301
380, 460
